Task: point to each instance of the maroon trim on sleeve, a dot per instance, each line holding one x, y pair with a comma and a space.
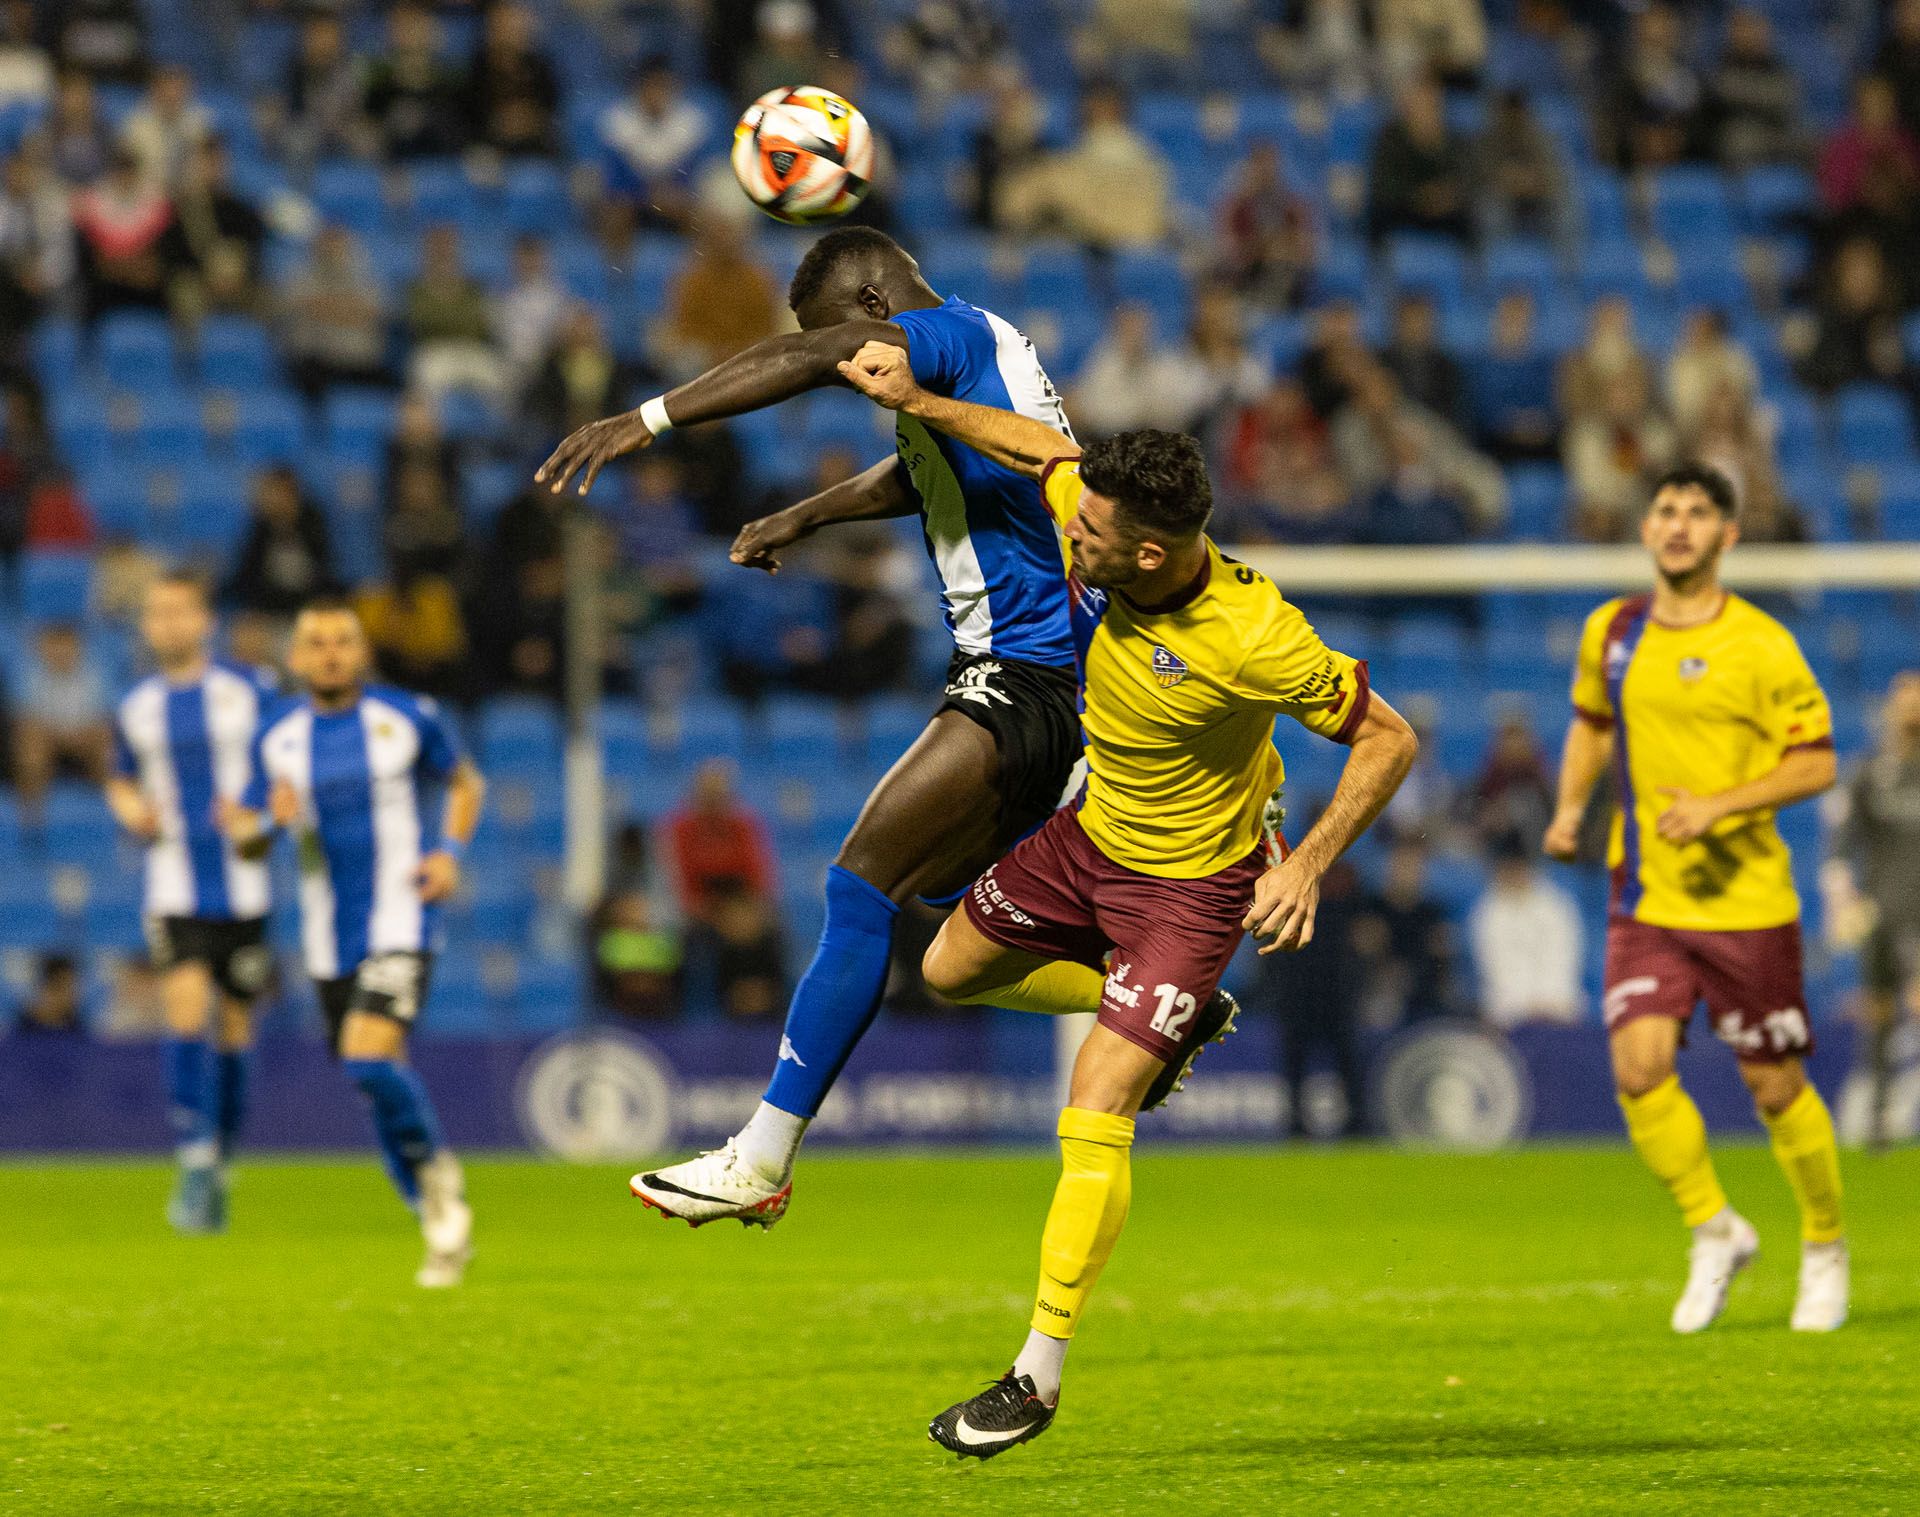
1593, 718
1362, 699
1054, 463
1812, 745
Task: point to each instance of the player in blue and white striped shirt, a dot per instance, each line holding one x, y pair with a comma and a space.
182, 739
381, 801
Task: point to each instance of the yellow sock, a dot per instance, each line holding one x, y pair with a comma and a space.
1666, 1128
1053, 990
1089, 1209
1804, 1144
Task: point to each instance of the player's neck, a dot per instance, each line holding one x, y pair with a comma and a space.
336, 701
189, 670
1175, 583
1690, 601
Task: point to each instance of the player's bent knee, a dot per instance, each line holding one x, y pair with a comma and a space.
1774, 1087
370, 1037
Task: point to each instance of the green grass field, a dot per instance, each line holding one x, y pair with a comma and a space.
1316, 1332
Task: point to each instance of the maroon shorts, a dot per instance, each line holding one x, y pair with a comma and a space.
1750, 981
1058, 896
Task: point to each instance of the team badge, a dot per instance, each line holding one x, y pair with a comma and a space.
1168, 668
1693, 670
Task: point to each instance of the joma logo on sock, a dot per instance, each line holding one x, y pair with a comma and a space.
1051, 1310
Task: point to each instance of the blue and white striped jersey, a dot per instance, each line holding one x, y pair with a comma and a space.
1000, 558
370, 781
187, 746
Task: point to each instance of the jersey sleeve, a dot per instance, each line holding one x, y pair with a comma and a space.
1591, 701
1793, 707
1291, 670
944, 349
1060, 488
125, 764
253, 795
440, 750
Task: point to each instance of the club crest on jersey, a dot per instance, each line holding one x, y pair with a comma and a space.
1693, 670
1168, 668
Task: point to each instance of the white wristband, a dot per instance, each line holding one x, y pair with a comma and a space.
654, 414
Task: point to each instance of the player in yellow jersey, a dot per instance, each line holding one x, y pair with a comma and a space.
1133, 900
1711, 721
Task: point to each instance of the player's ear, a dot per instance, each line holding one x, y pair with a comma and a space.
874, 303
1149, 556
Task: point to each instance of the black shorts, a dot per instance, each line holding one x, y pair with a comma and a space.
391, 985
1033, 714
235, 952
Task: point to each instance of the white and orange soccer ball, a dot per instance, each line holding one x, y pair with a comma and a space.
803, 155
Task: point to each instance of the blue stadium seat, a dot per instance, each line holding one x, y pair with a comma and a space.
136, 351
237, 354
1536, 499
518, 730
269, 427
1519, 264
357, 420
1873, 424
1434, 266
350, 192
536, 198
55, 584
1777, 195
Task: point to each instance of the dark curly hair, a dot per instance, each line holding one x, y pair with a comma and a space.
1711, 482
1158, 480
839, 246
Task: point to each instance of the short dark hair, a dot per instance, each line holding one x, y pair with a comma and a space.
1158, 480
327, 603
1704, 477
837, 247
183, 578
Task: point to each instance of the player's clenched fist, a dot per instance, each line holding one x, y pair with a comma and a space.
592, 447
759, 540
881, 370
1563, 837
1285, 899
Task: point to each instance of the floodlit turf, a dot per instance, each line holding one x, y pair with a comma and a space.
1318, 1332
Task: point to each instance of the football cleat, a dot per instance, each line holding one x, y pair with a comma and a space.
1821, 1305
199, 1202
714, 1187
1212, 1025
1005, 1413
1712, 1262
446, 1222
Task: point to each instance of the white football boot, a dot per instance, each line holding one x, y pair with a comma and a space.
714, 1187
446, 1222
1825, 1275
1721, 1249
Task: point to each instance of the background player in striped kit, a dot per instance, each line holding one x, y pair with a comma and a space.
181, 739
356, 773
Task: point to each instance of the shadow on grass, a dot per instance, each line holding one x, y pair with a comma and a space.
1407, 1439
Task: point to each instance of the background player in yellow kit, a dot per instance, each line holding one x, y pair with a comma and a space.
1186, 657
1712, 721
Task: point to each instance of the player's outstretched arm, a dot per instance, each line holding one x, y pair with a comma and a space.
879, 492
1583, 759
1801, 774
763, 375
880, 370
1287, 896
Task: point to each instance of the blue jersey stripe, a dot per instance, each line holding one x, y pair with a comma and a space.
190, 746
343, 809
1622, 642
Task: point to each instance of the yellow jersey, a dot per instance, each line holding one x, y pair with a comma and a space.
1178, 706
1700, 709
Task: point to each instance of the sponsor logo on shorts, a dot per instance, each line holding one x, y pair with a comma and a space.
1168, 667
976, 684
1778, 1032
1625, 991
1118, 990
988, 897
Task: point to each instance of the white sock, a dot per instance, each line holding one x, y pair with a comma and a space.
770, 1140
1719, 1225
201, 1153
1043, 1358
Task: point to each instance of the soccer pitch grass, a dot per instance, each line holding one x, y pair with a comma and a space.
1318, 1332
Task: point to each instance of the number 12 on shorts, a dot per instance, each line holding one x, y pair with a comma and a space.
1171, 1016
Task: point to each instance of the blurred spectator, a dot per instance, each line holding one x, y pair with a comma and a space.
1148, 43
52, 1008
57, 514
1315, 994
219, 235
1512, 387
417, 631
1706, 361
285, 558
447, 322
1869, 169
61, 715
1281, 469
1609, 352
1525, 183
1753, 97
1420, 171
1512, 797
1446, 39
527, 315
166, 127
1612, 455
104, 39
123, 570
78, 143
1427, 373
636, 962
333, 319
36, 245
1222, 373
1266, 233
26, 68
946, 46
648, 140
419, 441
1011, 138
655, 528
421, 531
1319, 45
1132, 379
750, 961
26, 454
1385, 442
122, 225
581, 378
1653, 104
1856, 337
783, 52
1414, 505
521, 622
870, 646
132, 1011
716, 844
1335, 358
1528, 947
322, 97
1728, 435
413, 97
1898, 60
255, 639
721, 301
1408, 943
514, 90
1423, 806
1109, 189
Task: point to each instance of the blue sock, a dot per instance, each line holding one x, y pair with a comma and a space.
190, 1099
403, 1119
230, 1070
838, 996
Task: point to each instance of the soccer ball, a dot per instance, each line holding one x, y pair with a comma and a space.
803, 155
